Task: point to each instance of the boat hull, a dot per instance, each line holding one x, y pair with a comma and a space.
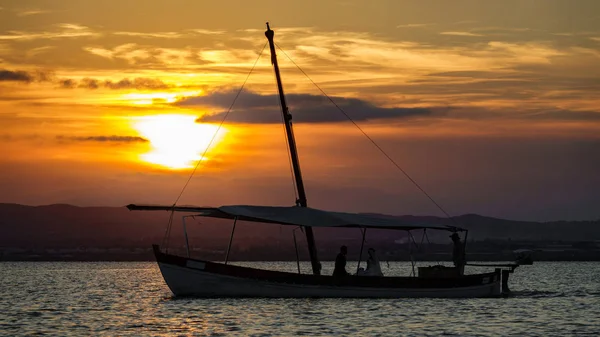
197, 278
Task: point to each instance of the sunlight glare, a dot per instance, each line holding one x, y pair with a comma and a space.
177, 141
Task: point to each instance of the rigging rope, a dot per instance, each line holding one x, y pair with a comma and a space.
369, 138
220, 124
165, 242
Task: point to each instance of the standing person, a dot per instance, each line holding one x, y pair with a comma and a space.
340, 262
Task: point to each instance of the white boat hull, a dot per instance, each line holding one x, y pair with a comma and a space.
192, 281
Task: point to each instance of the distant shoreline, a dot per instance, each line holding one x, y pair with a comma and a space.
151, 259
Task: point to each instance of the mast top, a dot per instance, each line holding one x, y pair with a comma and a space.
269, 33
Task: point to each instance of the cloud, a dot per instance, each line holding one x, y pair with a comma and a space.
460, 34
517, 68
165, 35
498, 30
141, 83
17, 76
465, 22
26, 76
68, 83
469, 74
108, 139
100, 52
208, 32
170, 35
565, 115
136, 83
149, 56
264, 109
89, 83
72, 26
255, 108
415, 25
66, 30
29, 12
38, 50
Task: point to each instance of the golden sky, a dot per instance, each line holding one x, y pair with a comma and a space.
493, 106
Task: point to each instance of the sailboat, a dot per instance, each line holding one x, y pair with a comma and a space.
187, 276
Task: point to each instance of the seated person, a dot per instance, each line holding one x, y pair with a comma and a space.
373, 267
340, 263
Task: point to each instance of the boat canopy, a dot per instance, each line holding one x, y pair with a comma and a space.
297, 216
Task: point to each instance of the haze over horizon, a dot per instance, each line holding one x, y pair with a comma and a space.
492, 107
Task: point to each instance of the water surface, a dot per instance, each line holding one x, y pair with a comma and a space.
131, 299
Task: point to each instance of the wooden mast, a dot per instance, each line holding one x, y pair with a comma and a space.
287, 117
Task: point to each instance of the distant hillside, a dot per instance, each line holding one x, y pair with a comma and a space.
62, 225
482, 227
71, 226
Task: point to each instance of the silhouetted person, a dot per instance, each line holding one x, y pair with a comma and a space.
340, 263
458, 253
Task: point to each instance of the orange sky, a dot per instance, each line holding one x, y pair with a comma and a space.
492, 106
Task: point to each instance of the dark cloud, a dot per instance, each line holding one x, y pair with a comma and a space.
109, 139
68, 83
17, 76
89, 83
86, 83
26, 76
136, 83
126, 83
255, 108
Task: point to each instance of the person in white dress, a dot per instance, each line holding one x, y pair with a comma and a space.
373, 267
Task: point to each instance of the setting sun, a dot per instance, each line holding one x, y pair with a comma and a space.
177, 141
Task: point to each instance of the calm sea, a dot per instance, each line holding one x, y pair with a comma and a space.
131, 299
